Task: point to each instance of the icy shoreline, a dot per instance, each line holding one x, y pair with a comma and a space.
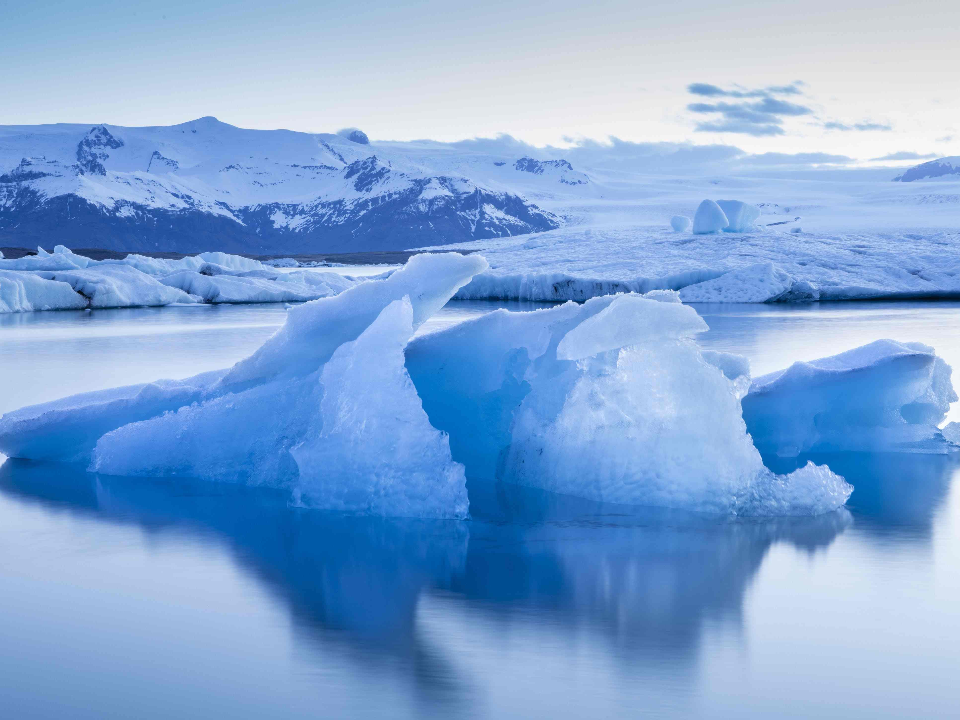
756, 267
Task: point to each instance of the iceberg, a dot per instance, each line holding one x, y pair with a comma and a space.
709, 218
611, 401
951, 432
325, 409
372, 428
680, 223
25, 292
63, 280
118, 286
741, 217
887, 395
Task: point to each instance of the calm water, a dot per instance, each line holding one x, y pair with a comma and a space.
147, 599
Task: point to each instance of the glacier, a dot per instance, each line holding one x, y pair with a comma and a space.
885, 396
348, 409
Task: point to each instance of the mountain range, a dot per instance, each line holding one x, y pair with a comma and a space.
207, 185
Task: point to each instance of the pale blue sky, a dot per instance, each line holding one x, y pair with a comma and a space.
877, 76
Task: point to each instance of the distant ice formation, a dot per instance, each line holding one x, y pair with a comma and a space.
732, 216
680, 223
63, 280
709, 218
882, 396
741, 216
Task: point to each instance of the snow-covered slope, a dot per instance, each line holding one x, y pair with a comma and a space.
205, 185
944, 167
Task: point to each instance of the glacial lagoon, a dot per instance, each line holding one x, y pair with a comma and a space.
125, 597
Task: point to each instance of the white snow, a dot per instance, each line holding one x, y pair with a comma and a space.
709, 218
887, 396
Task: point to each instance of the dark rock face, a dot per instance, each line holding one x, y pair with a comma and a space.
158, 161
539, 167
389, 221
23, 172
368, 172
932, 169
354, 135
92, 150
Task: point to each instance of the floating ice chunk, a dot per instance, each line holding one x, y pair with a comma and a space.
628, 320
223, 288
239, 430
25, 292
886, 396
709, 218
763, 282
66, 430
371, 449
60, 259
680, 223
951, 432
742, 217
113, 286
312, 332
651, 423
282, 263
1, 254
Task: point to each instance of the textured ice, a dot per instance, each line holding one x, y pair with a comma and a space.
294, 414
117, 286
550, 399
610, 400
759, 283
951, 432
709, 218
680, 223
40, 282
372, 428
741, 216
887, 396
25, 292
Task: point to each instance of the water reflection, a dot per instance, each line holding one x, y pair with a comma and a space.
643, 582
896, 496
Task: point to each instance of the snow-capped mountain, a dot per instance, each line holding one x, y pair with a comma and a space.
943, 167
208, 185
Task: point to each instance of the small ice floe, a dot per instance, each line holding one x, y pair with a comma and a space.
885, 396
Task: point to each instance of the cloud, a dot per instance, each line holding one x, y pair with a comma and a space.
758, 112
905, 155
708, 90
864, 126
945, 138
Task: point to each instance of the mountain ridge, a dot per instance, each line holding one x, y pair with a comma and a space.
206, 184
